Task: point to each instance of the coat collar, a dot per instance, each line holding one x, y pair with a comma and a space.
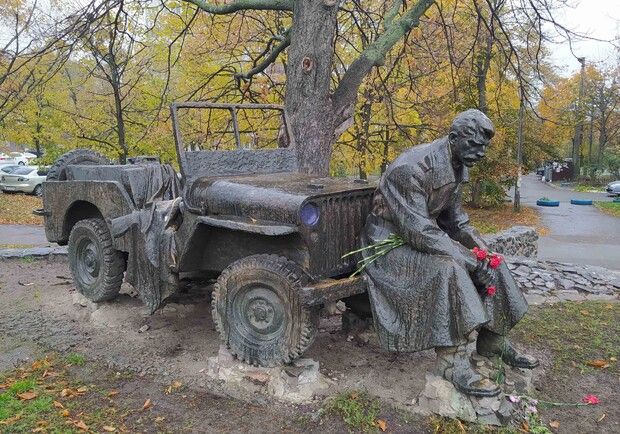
443, 172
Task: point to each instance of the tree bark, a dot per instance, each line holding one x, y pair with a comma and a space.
308, 104
483, 64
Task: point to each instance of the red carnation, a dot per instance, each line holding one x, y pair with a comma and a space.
495, 261
590, 399
481, 254
491, 290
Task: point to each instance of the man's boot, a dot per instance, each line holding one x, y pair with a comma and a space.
455, 367
490, 344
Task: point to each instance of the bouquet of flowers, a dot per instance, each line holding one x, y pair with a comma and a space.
494, 261
376, 250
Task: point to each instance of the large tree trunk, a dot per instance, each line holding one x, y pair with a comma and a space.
308, 103
602, 137
483, 64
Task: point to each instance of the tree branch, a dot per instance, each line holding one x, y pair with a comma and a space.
273, 55
374, 55
238, 5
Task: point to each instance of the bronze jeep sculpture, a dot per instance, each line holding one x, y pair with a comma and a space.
275, 236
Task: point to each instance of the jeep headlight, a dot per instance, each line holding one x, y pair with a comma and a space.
309, 214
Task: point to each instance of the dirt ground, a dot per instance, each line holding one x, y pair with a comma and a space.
37, 315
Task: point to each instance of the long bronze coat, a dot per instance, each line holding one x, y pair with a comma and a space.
422, 295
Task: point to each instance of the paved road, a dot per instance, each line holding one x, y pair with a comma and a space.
578, 234
23, 235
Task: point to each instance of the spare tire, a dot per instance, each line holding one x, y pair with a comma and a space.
58, 171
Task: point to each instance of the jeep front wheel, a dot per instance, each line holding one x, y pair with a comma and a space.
96, 266
258, 311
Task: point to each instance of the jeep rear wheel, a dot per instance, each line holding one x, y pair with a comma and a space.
96, 266
258, 311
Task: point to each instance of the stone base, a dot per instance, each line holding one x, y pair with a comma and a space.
296, 383
442, 398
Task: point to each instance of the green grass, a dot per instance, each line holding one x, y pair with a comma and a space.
574, 333
584, 188
357, 409
611, 208
76, 359
22, 415
442, 425
21, 386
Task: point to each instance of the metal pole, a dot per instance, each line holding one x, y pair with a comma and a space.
517, 195
579, 127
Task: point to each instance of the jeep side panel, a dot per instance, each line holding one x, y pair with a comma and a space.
212, 247
67, 202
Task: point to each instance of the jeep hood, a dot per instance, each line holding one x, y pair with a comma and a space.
275, 197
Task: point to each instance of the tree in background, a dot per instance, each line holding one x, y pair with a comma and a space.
364, 80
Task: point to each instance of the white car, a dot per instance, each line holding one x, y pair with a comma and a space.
8, 168
21, 158
613, 188
25, 179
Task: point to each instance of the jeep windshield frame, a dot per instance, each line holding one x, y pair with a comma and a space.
232, 108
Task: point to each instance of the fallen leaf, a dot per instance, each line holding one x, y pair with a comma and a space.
461, 427
112, 393
11, 420
27, 396
147, 404
613, 359
159, 419
39, 429
584, 312
64, 413
601, 418
82, 389
382, 424
598, 363
108, 428
66, 392
554, 424
58, 404
43, 423
48, 374
176, 384
3, 386
525, 426
81, 425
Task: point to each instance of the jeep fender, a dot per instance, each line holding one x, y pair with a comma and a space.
67, 202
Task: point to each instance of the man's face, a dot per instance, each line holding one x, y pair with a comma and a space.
469, 146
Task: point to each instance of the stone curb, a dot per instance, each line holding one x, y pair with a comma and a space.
33, 252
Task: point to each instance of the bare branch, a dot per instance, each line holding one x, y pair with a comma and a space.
241, 5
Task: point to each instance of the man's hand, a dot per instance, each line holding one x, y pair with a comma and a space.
483, 276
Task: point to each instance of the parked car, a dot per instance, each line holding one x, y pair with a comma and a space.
8, 168
25, 179
613, 188
21, 158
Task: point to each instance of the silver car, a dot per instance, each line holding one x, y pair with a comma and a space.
613, 188
25, 179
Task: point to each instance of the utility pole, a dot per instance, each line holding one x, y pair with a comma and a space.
517, 196
579, 126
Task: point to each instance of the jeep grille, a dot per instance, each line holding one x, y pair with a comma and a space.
342, 219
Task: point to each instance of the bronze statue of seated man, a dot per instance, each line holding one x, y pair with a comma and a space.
432, 292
